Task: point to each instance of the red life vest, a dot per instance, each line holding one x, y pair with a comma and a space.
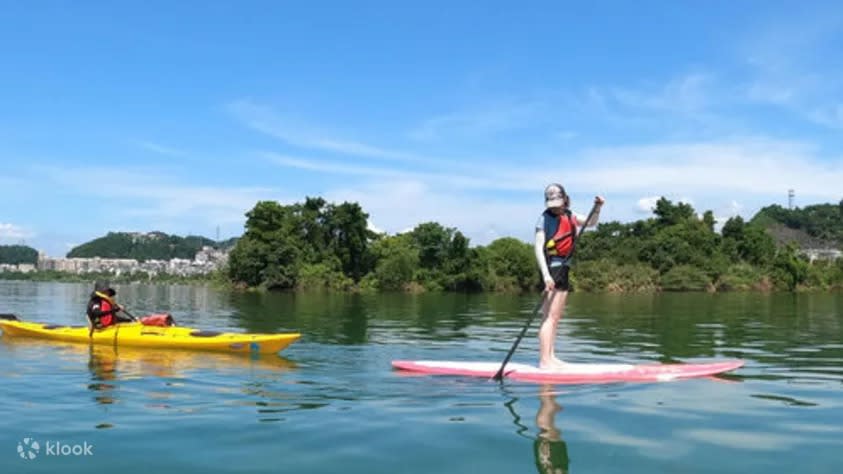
108, 319
563, 229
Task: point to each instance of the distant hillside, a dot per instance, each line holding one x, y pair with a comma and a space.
14, 254
228, 243
150, 246
815, 226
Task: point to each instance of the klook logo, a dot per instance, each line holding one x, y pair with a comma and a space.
29, 449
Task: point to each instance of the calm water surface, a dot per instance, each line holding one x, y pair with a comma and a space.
333, 404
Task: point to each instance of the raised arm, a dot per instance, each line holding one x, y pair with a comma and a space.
598, 201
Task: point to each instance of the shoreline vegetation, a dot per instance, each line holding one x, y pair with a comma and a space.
216, 278
321, 246
315, 245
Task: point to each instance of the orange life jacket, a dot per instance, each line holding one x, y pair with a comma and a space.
560, 232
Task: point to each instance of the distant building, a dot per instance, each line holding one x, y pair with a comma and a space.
821, 254
206, 261
17, 268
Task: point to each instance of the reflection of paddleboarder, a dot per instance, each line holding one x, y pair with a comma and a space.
550, 450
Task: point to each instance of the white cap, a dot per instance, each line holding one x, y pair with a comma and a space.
554, 195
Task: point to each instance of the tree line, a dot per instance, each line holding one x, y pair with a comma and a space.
142, 247
321, 245
16, 254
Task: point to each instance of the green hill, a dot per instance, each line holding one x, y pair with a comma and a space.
139, 246
14, 254
815, 226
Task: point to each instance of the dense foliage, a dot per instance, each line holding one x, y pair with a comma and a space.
821, 221
15, 254
314, 244
317, 245
141, 247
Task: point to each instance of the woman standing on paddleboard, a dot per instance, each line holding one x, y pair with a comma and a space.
556, 234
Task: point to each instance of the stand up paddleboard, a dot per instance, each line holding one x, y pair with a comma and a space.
571, 373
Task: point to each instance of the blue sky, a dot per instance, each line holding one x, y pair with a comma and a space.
180, 116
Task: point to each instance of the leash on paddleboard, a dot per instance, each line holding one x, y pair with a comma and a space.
499, 375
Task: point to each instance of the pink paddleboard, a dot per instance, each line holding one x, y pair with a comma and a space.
572, 373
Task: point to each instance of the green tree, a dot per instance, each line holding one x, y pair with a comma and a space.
668, 214
268, 252
789, 270
15, 254
349, 238
507, 264
709, 220
397, 260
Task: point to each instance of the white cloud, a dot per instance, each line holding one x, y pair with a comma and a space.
450, 177
372, 227
787, 60
753, 166
687, 93
161, 149
502, 200
159, 196
648, 204
565, 135
399, 205
479, 122
486, 201
735, 208
14, 232
688, 171
265, 120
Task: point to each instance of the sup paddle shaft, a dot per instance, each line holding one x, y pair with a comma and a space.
499, 375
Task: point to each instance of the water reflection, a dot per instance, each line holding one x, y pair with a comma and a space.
103, 372
549, 449
109, 365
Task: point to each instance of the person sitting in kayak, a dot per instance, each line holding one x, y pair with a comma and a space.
556, 233
103, 310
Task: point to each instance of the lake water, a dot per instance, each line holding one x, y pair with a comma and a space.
331, 402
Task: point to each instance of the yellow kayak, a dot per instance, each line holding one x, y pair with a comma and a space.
135, 334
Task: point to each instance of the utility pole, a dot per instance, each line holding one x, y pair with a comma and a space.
790, 195
218, 234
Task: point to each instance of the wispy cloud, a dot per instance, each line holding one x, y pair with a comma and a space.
689, 93
14, 232
788, 63
267, 121
162, 196
646, 205
448, 177
400, 204
500, 201
481, 122
750, 165
160, 149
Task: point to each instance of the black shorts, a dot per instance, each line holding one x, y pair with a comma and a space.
559, 273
